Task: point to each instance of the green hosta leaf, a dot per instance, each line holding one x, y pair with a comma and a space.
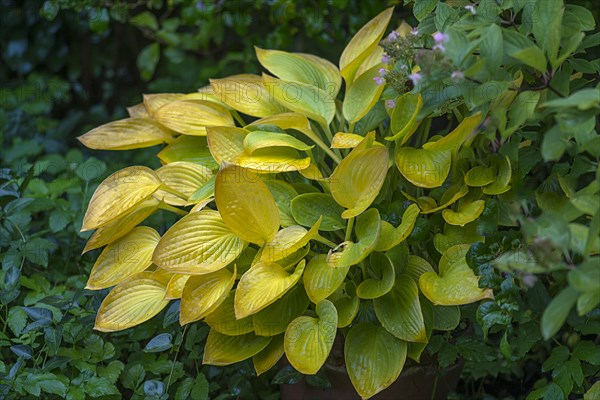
268, 357
308, 340
309, 207
224, 350
446, 318
384, 270
223, 320
260, 140
481, 176
404, 117
368, 229
283, 193
262, 285
346, 303
417, 266
321, 279
399, 311
362, 95
502, 183
374, 358
390, 237
199, 243
274, 319
557, 311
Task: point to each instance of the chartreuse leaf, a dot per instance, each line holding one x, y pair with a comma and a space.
124, 257
308, 340
302, 98
138, 111
191, 117
118, 194
446, 318
198, 243
464, 132
126, 134
481, 176
269, 356
422, 167
262, 285
404, 117
152, 102
308, 208
399, 311
415, 349
133, 301
226, 143
468, 211
183, 177
273, 160
176, 285
362, 95
303, 68
368, 229
287, 241
122, 225
283, 193
450, 196
374, 358
346, 303
202, 294
343, 140
246, 204
223, 320
384, 270
274, 319
246, 94
261, 140
454, 235
321, 280
390, 237
357, 180
502, 182
224, 350
362, 44
416, 267
456, 283
188, 148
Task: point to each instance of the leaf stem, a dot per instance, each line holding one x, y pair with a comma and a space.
176, 210
238, 118
325, 241
349, 229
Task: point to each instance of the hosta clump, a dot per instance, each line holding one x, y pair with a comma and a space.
263, 186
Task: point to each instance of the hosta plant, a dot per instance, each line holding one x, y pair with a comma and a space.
302, 211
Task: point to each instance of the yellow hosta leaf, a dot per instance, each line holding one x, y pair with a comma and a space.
133, 301
124, 257
225, 142
268, 357
192, 149
321, 280
390, 237
372, 288
119, 194
246, 94
224, 350
191, 117
481, 176
362, 44
138, 111
287, 241
371, 60
274, 319
467, 212
176, 285
153, 102
362, 94
456, 283
346, 303
202, 294
308, 341
464, 132
198, 243
122, 225
262, 285
184, 177
502, 182
309, 100
422, 167
416, 267
357, 180
342, 140
262, 140
223, 320
374, 358
273, 160
399, 311
404, 117
450, 196
126, 134
368, 230
303, 68
246, 204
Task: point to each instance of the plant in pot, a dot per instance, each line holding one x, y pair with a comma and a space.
303, 214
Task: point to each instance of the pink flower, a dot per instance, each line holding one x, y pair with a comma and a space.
378, 80
382, 71
393, 36
414, 32
385, 58
439, 47
390, 103
471, 9
415, 78
440, 37
457, 75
